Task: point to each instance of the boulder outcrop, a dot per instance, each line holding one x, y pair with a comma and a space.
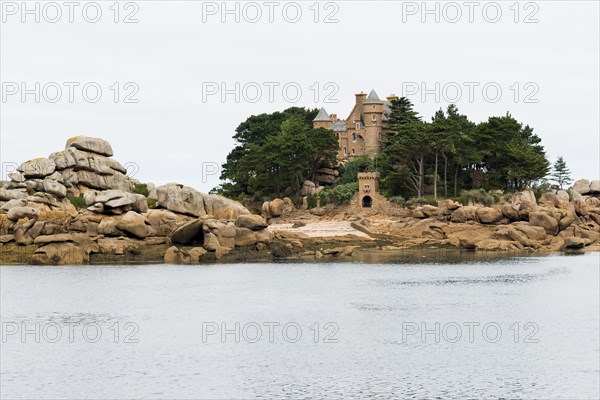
221, 236
79, 202
327, 175
186, 200
93, 145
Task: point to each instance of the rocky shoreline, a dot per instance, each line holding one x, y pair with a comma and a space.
78, 206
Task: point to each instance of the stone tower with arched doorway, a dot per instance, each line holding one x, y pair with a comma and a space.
368, 187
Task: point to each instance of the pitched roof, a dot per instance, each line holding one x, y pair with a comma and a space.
322, 115
339, 126
373, 98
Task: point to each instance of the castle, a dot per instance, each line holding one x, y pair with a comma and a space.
362, 132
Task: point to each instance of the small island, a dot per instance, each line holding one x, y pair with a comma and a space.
305, 185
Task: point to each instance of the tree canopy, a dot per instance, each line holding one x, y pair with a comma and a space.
276, 153
500, 153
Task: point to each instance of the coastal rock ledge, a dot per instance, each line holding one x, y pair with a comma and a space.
78, 205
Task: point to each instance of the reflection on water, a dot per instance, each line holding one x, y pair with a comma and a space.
471, 328
482, 280
428, 255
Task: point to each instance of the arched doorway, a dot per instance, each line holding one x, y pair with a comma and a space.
367, 202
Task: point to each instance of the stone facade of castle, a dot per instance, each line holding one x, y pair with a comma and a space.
362, 133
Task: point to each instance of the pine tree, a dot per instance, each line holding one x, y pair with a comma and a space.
561, 174
408, 143
402, 113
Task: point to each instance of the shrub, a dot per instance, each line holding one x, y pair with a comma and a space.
151, 203
397, 200
141, 188
339, 194
78, 202
419, 201
312, 200
297, 201
31, 192
478, 196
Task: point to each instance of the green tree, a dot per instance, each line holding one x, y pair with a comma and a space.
454, 140
513, 156
350, 171
561, 175
402, 162
277, 162
252, 132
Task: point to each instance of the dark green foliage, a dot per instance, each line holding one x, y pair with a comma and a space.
353, 167
402, 162
151, 203
312, 201
503, 152
513, 157
78, 202
339, 194
276, 153
141, 188
420, 201
402, 112
477, 196
561, 175
399, 200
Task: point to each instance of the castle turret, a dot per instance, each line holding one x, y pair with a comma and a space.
373, 119
322, 120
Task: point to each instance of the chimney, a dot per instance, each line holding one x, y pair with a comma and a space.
360, 98
392, 97
333, 117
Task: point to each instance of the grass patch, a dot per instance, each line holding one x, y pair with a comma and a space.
141, 188
13, 254
78, 202
142, 254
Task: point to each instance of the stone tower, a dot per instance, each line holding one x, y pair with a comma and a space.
322, 120
368, 186
373, 120
362, 132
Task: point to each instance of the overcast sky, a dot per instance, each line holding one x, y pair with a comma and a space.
543, 56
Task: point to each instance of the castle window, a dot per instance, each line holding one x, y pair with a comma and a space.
367, 188
345, 152
357, 125
354, 137
353, 152
374, 118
